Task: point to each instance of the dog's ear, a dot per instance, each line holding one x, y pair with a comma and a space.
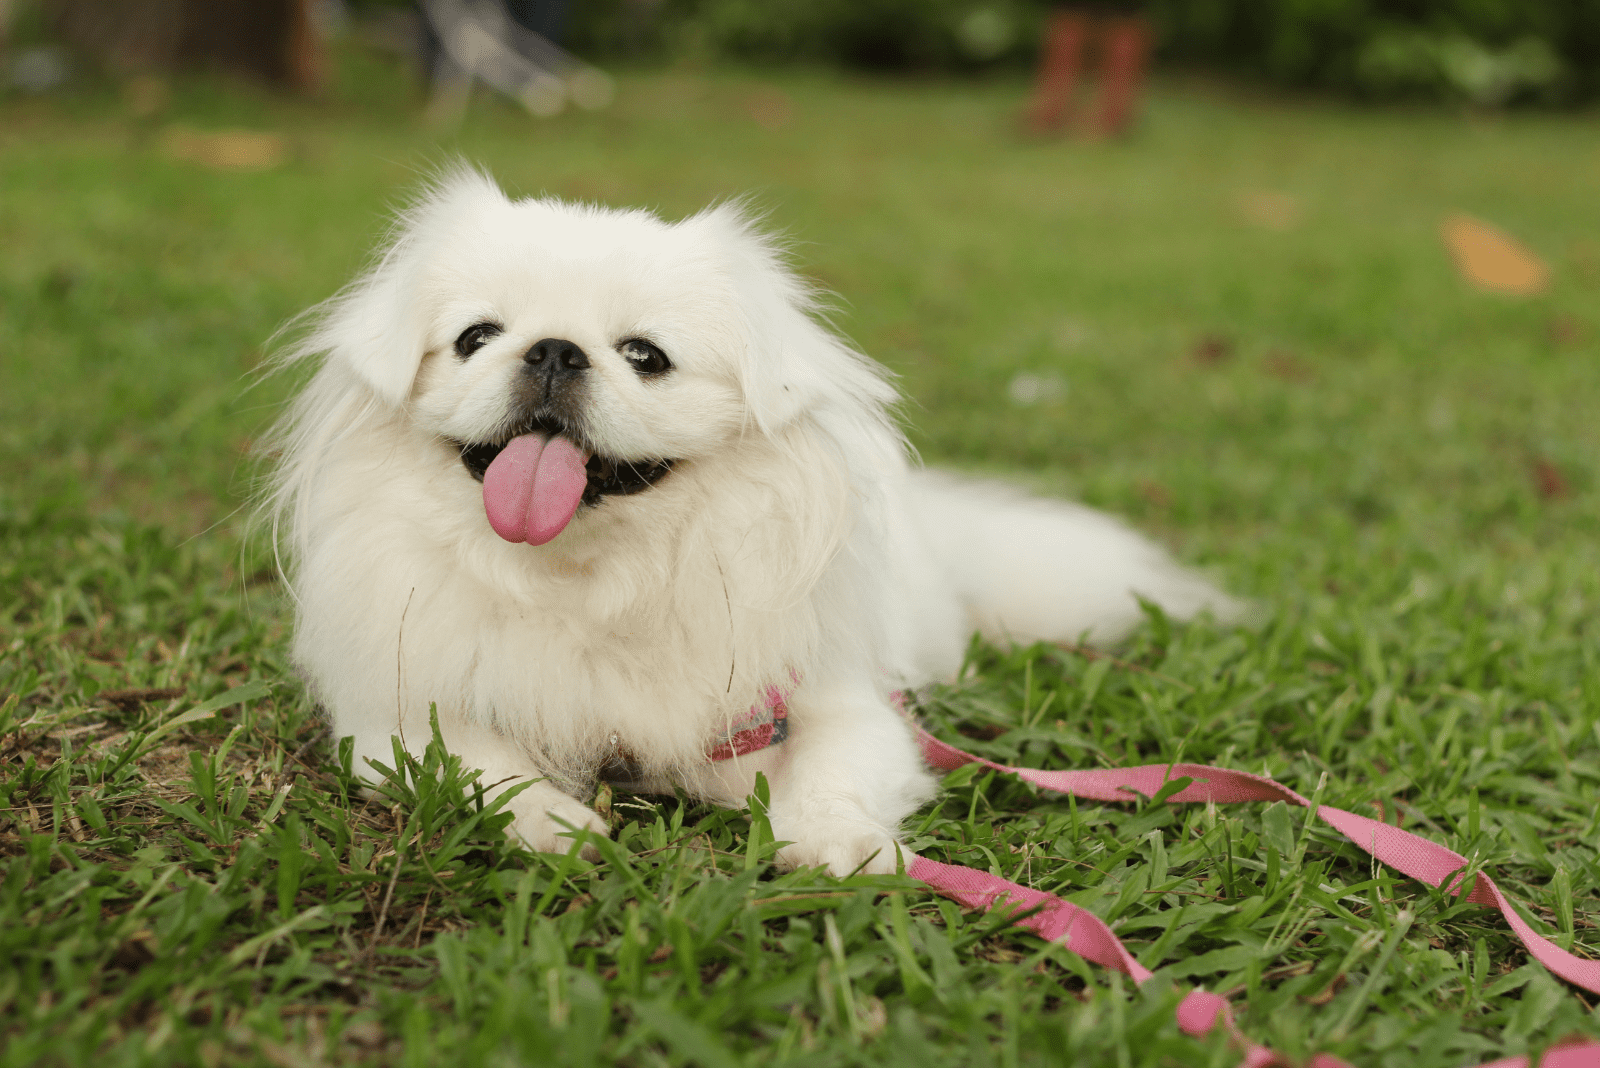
791, 363
377, 326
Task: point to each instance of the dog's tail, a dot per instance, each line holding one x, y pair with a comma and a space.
1030, 569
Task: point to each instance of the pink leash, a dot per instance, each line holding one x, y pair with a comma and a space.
1085, 934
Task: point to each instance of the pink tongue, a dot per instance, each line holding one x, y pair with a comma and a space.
533, 488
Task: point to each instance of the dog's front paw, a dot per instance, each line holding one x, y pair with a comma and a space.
540, 815
843, 847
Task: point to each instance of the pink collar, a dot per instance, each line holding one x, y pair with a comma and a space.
764, 726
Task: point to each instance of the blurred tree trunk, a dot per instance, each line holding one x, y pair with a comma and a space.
276, 41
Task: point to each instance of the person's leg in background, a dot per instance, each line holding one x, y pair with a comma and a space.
1060, 63
1124, 50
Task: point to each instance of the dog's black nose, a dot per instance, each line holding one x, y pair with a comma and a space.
560, 354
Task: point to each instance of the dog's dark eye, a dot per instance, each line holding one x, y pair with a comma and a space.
647, 358
474, 338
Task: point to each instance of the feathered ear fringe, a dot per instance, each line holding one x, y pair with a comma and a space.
371, 340
373, 325
791, 363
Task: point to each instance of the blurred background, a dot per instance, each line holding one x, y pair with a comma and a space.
1488, 52
1300, 286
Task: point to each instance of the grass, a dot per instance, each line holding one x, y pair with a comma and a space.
1251, 343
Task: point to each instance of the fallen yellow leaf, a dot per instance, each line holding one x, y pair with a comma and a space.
226, 150
1492, 260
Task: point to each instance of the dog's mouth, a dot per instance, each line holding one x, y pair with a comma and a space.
605, 475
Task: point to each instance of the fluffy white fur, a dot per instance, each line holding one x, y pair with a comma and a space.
792, 541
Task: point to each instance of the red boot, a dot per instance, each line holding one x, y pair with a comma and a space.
1059, 66
1125, 44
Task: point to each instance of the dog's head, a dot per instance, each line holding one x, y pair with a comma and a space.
569, 353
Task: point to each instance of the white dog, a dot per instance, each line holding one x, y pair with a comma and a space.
601, 488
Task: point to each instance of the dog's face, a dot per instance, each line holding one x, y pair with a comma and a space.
592, 337
570, 353
604, 328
